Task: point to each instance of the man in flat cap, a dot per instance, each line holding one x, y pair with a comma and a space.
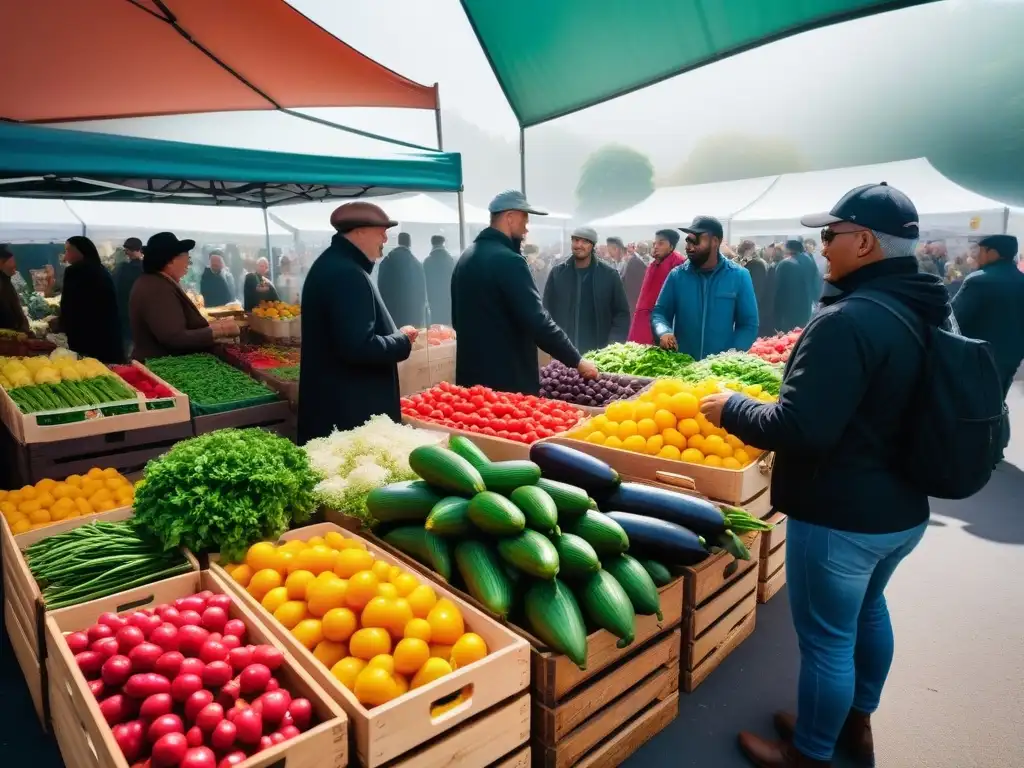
631, 269
990, 307
497, 311
585, 296
350, 345
666, 258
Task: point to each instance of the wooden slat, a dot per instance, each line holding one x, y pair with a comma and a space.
773, 539
711, 576
633, 735
766, 590
728, 642
714, 609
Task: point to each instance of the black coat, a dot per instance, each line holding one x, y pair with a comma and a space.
437, 271
252, 296
350, 346
89, 312
125, 275
403, 287
758, 269
792, 297
215, 288
611, 309
500, 320
633, 281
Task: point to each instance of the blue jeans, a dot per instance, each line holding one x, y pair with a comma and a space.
836, 583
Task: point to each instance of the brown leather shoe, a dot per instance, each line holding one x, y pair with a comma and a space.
855, 739
785, 725
776, 754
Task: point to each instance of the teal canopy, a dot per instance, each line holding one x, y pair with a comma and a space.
554, 57
58, 163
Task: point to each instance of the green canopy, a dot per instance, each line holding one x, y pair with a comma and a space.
554, 57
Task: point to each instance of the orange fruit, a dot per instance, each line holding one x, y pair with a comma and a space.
467, 649
377, 613
241, 574
339, 624
347, 670
45, 499
696, 441
439, 651
369, 642
275, 598
262, 555
673, 437
95, 473
313, 541
297, 582
75, 480
84, 506
654, 445
387, 589
323, 595
362, 588
382, 569
418, 628
334, 540
329, 653
401, 682
309, 632
665, 419
446, 625
374, 686
351, 561
405, 583
669, 452
421, 600
432, 670
688, 428
291, 613
39, 517
410, 655
383, 661
684, 405
263, 581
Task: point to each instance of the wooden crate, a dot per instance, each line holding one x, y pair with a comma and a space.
86, 741
518, 759
414, 373
718, 610
772, 576
390, 731
496, 448
273, 417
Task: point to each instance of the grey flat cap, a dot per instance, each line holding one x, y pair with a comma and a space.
513, 200
586, 233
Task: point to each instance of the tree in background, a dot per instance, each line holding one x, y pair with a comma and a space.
614, 177
727, 156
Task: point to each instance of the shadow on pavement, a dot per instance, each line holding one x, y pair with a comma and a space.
996, 513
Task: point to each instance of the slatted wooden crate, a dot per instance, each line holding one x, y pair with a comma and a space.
772, 576
273, 417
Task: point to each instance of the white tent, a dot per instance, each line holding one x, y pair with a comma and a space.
944, 207
313, 219
24, 220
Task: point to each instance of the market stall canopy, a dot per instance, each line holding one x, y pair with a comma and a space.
36, 221
60, 163
942, 204
307, 219
628, 46
80, 60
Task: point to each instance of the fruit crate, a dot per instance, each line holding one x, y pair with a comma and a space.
496, 448
491, 720
86, 741
718, 610
772, 570
274, 417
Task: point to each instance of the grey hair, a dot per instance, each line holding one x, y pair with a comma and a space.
895, 247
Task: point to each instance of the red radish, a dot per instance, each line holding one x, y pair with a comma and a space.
214, 619
219, 601
185, 685
196, 703
144, 656
302, 713
158, 610
163, 725
169, 750
277, 738
192, 603
116, 709
191, 639
128, 637
233, 759
215, 636
191, 618
230, 641
216, 674
145, 684
199, 757
194, 737
129, 737
156, 705
289, 731
106, 647
234, 627
77, 642
265, 743
90, 663
206, 594
240, 658
141, 620
229, 693
209, 716
173, 616
97, 631
192, 667
272, 684
169, 664
275, 705
213, 650
286, 720
112, 620
223, 736
249, 726
153, 621
254, 678
268, 656
116, 670
97, 689
166, 636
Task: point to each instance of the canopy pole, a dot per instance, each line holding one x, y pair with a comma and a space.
522, 160
462, 223
266, 230
437, 116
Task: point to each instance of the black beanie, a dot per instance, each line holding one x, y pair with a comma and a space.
668, 234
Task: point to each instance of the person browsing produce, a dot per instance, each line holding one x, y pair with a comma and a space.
437, 271
707, 305
12, 316
838, 431
350, 345
402, 285
666, 258
216, 285
497, 311
585, 296
88, 304
164, 320
257, 287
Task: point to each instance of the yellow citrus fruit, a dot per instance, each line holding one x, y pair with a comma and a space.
733, 441
339, 624
672, 436
297, 582
597, 438
644, 409
261, 556
729, 462
722, 449
30, 506
684, 405
28, 492
346, 671
45, 499
712, 461
309, 632
467, 649
263, 581
610, 429
405, 583
706, 427
369, 642
241, 574
446, 624
741, 456
313, 541
329, 653
419, 629
619, 411
654, 444
711, 443
696, 441
382, 570
689, 427
647, 428
21, 526
669, 452
635, 443
401, 682
374, 686
387, 589
352, 561
291, 613
377, 613
334, 540
693, 456
383, 661
432, 670
612, 442
421, 600
665, 419
627, 429
362, 588
323, 595
599, 421
411, 654
275, 598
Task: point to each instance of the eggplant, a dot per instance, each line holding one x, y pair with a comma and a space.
700, 516
668, 542
567, 465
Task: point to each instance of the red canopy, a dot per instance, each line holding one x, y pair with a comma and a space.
75, 60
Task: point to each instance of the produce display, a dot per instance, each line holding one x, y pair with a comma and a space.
560, 382
180, 688
354, 462
277, 310
639, 360
263, 356
224, 490
37, 307
97, 560
376, 627
207, 380
146, 384
776, 349
60, 381
666, 422
509, 415
436, 335
286, 373
50, 501
737, 369
61, 365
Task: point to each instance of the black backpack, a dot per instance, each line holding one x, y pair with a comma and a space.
957, 412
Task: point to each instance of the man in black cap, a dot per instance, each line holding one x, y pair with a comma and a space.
990, 307
125, 275
666, 258
631, 270
437, 272
797, 288
402, 284
585, 296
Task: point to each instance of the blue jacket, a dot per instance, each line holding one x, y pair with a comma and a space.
709, 312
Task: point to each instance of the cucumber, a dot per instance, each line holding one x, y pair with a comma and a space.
505, 476
449, 517
531, 553
560, 462
423, 546
576, 558
410, 500
468, 450
496, 515
484, 574
447, 470
606, 603
601, 532
659, 574
553, 615
539, 508
636, 583
570, 500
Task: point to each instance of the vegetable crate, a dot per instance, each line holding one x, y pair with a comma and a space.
492, 719
441, 359
718, 610
414, 373
286, 388
773, 559
86, 741
274, 417
496, 448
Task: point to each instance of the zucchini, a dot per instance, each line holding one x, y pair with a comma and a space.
636, 583
538, 507
553, 615
447, 470
423, 546
601, 532
659, 574
576, 558
494, 514
668, 542
700, 516
468, 450
484, 574
449, 517
570, 500
606, 603
559, 462
409, 501
505, 476
531, 553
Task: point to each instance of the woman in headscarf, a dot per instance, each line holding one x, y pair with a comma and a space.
88, 304
257, 287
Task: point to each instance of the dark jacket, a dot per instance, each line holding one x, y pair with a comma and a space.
846, 387
610, 311
403, 287
791, 302
88, 312
12, 316
252, 296
758, 269
812, 276
125, 275
350, 346
215, 288
437, 272
500, 320
165, 321
633, 280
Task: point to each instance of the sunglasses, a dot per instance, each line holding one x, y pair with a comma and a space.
828, 234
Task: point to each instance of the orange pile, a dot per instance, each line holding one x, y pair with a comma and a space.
50, 501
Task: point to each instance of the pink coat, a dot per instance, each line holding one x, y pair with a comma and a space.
654, 279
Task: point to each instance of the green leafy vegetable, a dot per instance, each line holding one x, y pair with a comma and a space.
639, 360
207, 380
738, 366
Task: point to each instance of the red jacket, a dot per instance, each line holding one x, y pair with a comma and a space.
654, 279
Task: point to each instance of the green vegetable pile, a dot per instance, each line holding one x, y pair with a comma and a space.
738, 366
639, 360
71, 394
207, 380
226, 490
286, 373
